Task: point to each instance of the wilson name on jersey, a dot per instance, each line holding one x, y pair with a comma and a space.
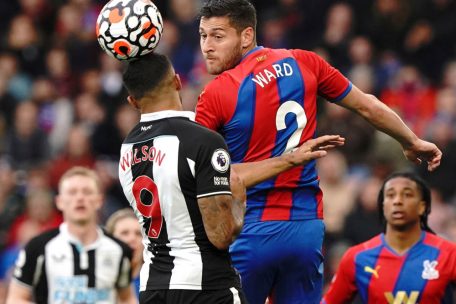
167, 163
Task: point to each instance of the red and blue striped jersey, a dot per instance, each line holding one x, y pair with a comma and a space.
267, 106
424, 274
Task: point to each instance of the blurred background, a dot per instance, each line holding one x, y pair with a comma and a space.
62, 103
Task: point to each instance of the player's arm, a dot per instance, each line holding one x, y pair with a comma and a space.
221, 192
126, 295
386, 120
343, 288
26, 268
19, 293
223, 215
253, 173
125, 292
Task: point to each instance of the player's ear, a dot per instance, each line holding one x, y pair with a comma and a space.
59, 203
247, 37
177, 82
133, 102
422, 208
99, 201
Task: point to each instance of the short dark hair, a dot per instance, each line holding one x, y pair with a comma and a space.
425, 195
145, 74
242, 13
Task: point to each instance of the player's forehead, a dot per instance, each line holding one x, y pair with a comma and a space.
212, 24
400, 183
78, 182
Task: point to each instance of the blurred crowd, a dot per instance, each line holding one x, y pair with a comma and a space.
62, 103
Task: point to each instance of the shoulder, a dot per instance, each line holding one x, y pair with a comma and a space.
220, 82
304, 54
197, 134
38, 243
370, 244
439, 242
133, 135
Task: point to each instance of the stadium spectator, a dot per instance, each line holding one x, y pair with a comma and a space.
337, 34
339, 193
39, 216
362, 135
26, 145
364, 214
25, 42
77, 152
12, 201
124, 225
412, 98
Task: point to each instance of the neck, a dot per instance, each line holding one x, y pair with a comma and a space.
86, 233
248, 49
402, 240
161, 103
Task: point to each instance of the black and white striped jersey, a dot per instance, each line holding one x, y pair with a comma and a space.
60, 270
167, 162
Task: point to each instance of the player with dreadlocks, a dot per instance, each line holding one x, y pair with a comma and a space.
407, 263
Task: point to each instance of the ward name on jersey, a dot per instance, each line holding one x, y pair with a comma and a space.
238, 104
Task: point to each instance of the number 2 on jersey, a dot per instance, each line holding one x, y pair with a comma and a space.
152, 210
291, 106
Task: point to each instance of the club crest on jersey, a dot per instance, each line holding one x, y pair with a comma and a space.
220, 160
429, 271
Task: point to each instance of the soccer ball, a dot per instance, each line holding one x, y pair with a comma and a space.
128, 29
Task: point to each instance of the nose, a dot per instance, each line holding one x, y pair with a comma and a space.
206, 45
79, 196
397, 200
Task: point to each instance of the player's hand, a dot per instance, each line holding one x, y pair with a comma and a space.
424, 151
315, 148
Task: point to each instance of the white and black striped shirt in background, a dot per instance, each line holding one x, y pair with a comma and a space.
60, 270
167, 162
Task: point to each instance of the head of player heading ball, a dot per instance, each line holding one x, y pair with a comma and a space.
128, 29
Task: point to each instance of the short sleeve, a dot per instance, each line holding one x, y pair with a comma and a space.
343, 287
29, 261
212, 166
453, 262
332, 85
125, 270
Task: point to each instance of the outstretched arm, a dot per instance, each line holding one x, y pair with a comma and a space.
253, 173
386, 120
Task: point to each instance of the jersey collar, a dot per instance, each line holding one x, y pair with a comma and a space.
72, 239
382, 237
251, 51
167, 114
